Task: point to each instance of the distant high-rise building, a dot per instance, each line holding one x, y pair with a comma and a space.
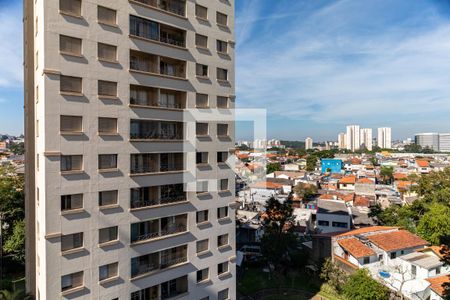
342, 139
430, 140
308, 143
353, 137
444, 142
366, 138
384, 138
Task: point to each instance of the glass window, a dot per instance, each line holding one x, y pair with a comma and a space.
201, 41
202, 186
202, 128
223, 184
221, 19
201, 12
70, 202
201, 70
222, 240
222, 268
71, 163
223, 295
106, 198
107, 52
108, 234
70, 84
202, 275
71, 7
222, 156
222, 46
201, 101
71, 124
222, 212
202, 216
202, 246
202, 157
108, 271
70, 45
222, 74
71, 241
222, 102
107, 88
71, 281
107, 125
222, 129
107, 161
106, 15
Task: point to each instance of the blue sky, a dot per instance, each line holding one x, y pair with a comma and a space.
315, 65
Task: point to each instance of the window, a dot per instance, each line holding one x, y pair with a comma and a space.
106, 198
366, 260
222, 102
150, 293
106, 15
202, 186
201, 101
108, 271
202, 246
71, 7
223, 295
201, 12
202, 216
323, 223
106, 235
393, 255
201, 41
70, 84
222, 240
72, 124
202, 275
201, 129
70, 202
107, 161
222, 268
222, 157
174, 287
202, 157
71, 163
222, 129
201, 70
339, 224
71, 281
438, 270
107, 52
107, 88
70, 45
222, 74
223, 185
222, 212
107, 125
71, 241
413, 271
222, 46
221, 19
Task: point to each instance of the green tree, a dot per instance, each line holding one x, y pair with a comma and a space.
305, 191
387, 173
435, 223
333, 275
270, 168
17, 149
311, 162
16, 295
413, 148
360, 286
15, 243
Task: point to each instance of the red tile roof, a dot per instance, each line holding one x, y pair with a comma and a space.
366, 230
422, 163
356, 248
398, 176
437, 283
365, 180
346, 262
267, 185
361, 201
396, 240
348, 180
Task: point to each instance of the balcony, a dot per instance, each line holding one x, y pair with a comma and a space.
157, 195
156, 163
177, 7
156, 130
154, 31
160, 65
157, 98
153, 229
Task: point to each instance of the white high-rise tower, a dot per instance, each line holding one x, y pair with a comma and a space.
384, 138
353, 137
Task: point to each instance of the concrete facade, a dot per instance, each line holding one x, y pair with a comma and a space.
51, 269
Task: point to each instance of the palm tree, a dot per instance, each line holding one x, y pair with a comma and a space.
16, 295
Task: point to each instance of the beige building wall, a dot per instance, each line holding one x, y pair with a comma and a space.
49, 145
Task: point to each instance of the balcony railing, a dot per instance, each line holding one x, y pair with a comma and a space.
177, 7
158, 261
155, 31
149, 230
157, 169
174, 261
155, 136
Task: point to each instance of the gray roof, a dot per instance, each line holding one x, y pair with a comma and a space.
423, 260
332, 207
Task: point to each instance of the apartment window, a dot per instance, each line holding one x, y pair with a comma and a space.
222, 240
150, 293
108, 271
222, 212
71, 7
107, 125
222, 102
221, 19
438, 270
413, 271
222, 74
222, 268
393, 255
202, 186
107, 88
106, 198
201, 12
222, 157
201, 129
202, 216
107, 161
71, 241
201, 70
201, 101
205, 298
222, 46
70, 202
202, 275
223, 185
323, 223
174, 287
107, 16
72, 124
71, 281
71, 163
107, 52
202, 246
201, 41
223, 295
70, 45
70, 84
366, 260
107, 234
202, 157
339, 224
222, 129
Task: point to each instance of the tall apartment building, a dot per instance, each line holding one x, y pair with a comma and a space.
353, 138
129, 127
308, 143
342, 139
444, 142
384, 139
430, 140
366, 138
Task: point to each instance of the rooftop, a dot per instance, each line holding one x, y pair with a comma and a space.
356, 248
396, 240
437, 283
332, 207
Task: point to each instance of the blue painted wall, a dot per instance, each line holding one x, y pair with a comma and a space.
330, 163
